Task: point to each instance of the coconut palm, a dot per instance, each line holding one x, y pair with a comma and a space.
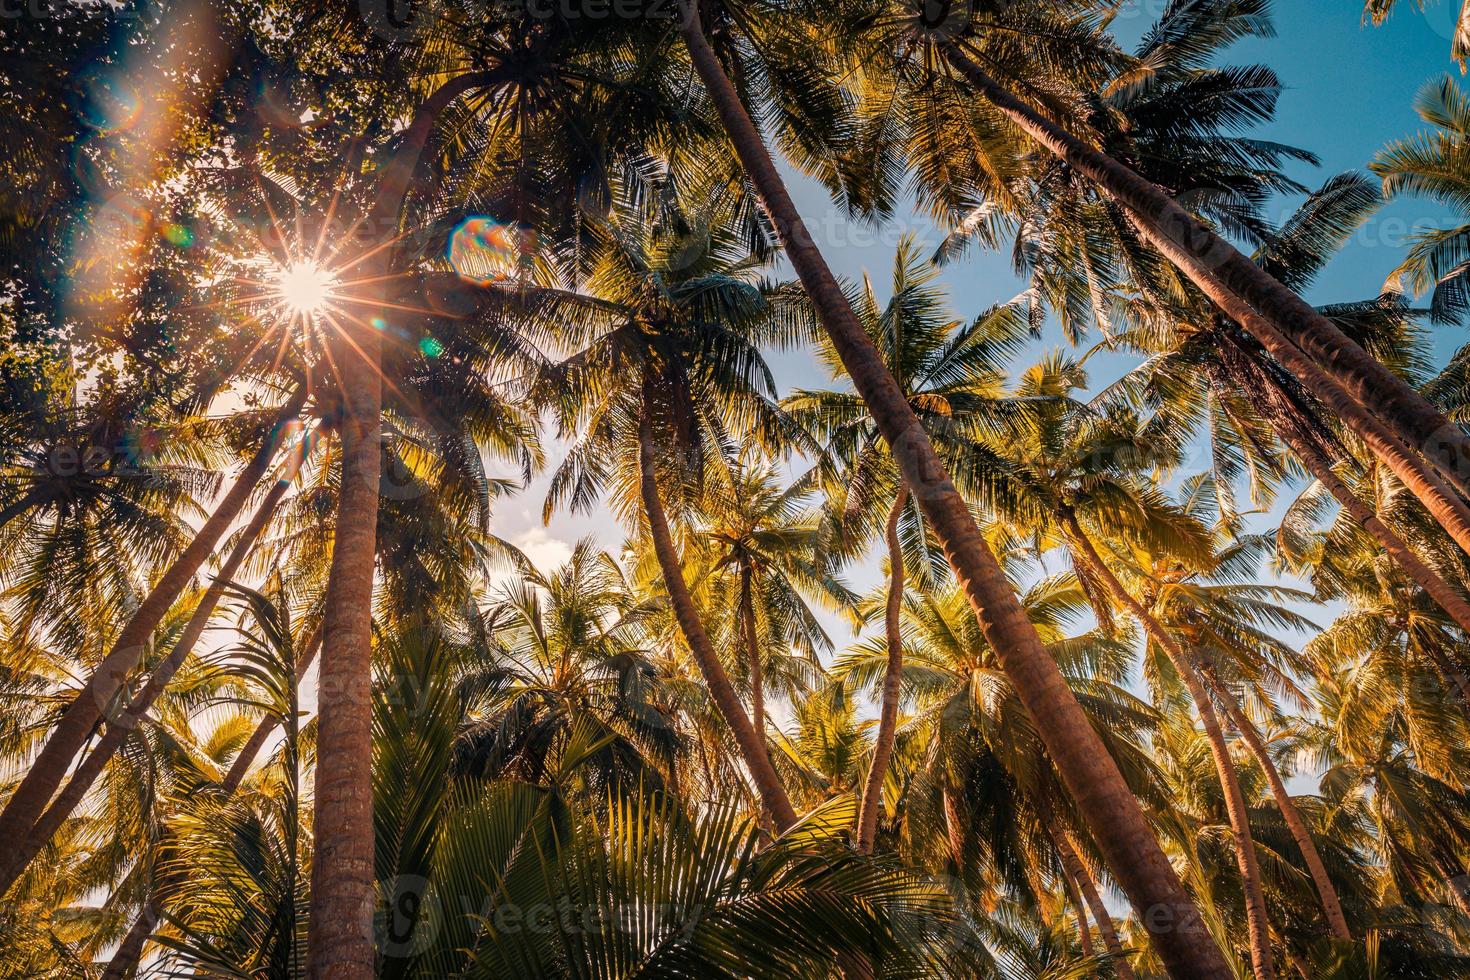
1079, 474
771, 567
24, 808
663, 376
1225, 619
567, 653
951, 374
1335, 367
976, 793
1093, 778
1236, 364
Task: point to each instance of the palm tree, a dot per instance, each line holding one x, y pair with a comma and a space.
769, 557
138, 706
1235, 364
951, 374
978, 792
566, 650
1132, 850
1224, 619
25, 806
1076, 482
1371, 398
670, 366
1335, 365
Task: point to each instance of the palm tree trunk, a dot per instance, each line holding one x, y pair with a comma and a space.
892, 678
752, 742
124, 962
1091, 775
1317, 463
86, 710
1326, 892
340, 941
1448, 598
753, 655
241, 765
1239, 286
340, 944
1076, 870
1245, 852
1074, 899
120, 727
1445, 505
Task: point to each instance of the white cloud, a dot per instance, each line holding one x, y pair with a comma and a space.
545, 550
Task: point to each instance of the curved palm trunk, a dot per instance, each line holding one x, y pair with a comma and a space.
1313, 457
1239, 286
86, 710
124, 724
1446, 506
1076, 870
1248, 377
124, 962
1074, 899
892, 676
1448, 598
1326, 892
1245, 851
1091, 775
752, 743
753, 655
241, 765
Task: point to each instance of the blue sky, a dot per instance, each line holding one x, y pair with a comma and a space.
1349, 89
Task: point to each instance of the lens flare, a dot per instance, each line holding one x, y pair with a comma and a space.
304, 287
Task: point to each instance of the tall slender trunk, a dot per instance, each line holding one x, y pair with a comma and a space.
1444, 504
87, 709
752, 743
340, 943
126, 722
124, 962
1255, 901
1074, 899
1072, 864
1090, 773
340, 940
753, 655
1445, 595
1326, 892
1248, 376
1239, 286
1314, 458
241, 765
892, 678
342, 894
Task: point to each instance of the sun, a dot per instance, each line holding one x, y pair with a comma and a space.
304, 287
